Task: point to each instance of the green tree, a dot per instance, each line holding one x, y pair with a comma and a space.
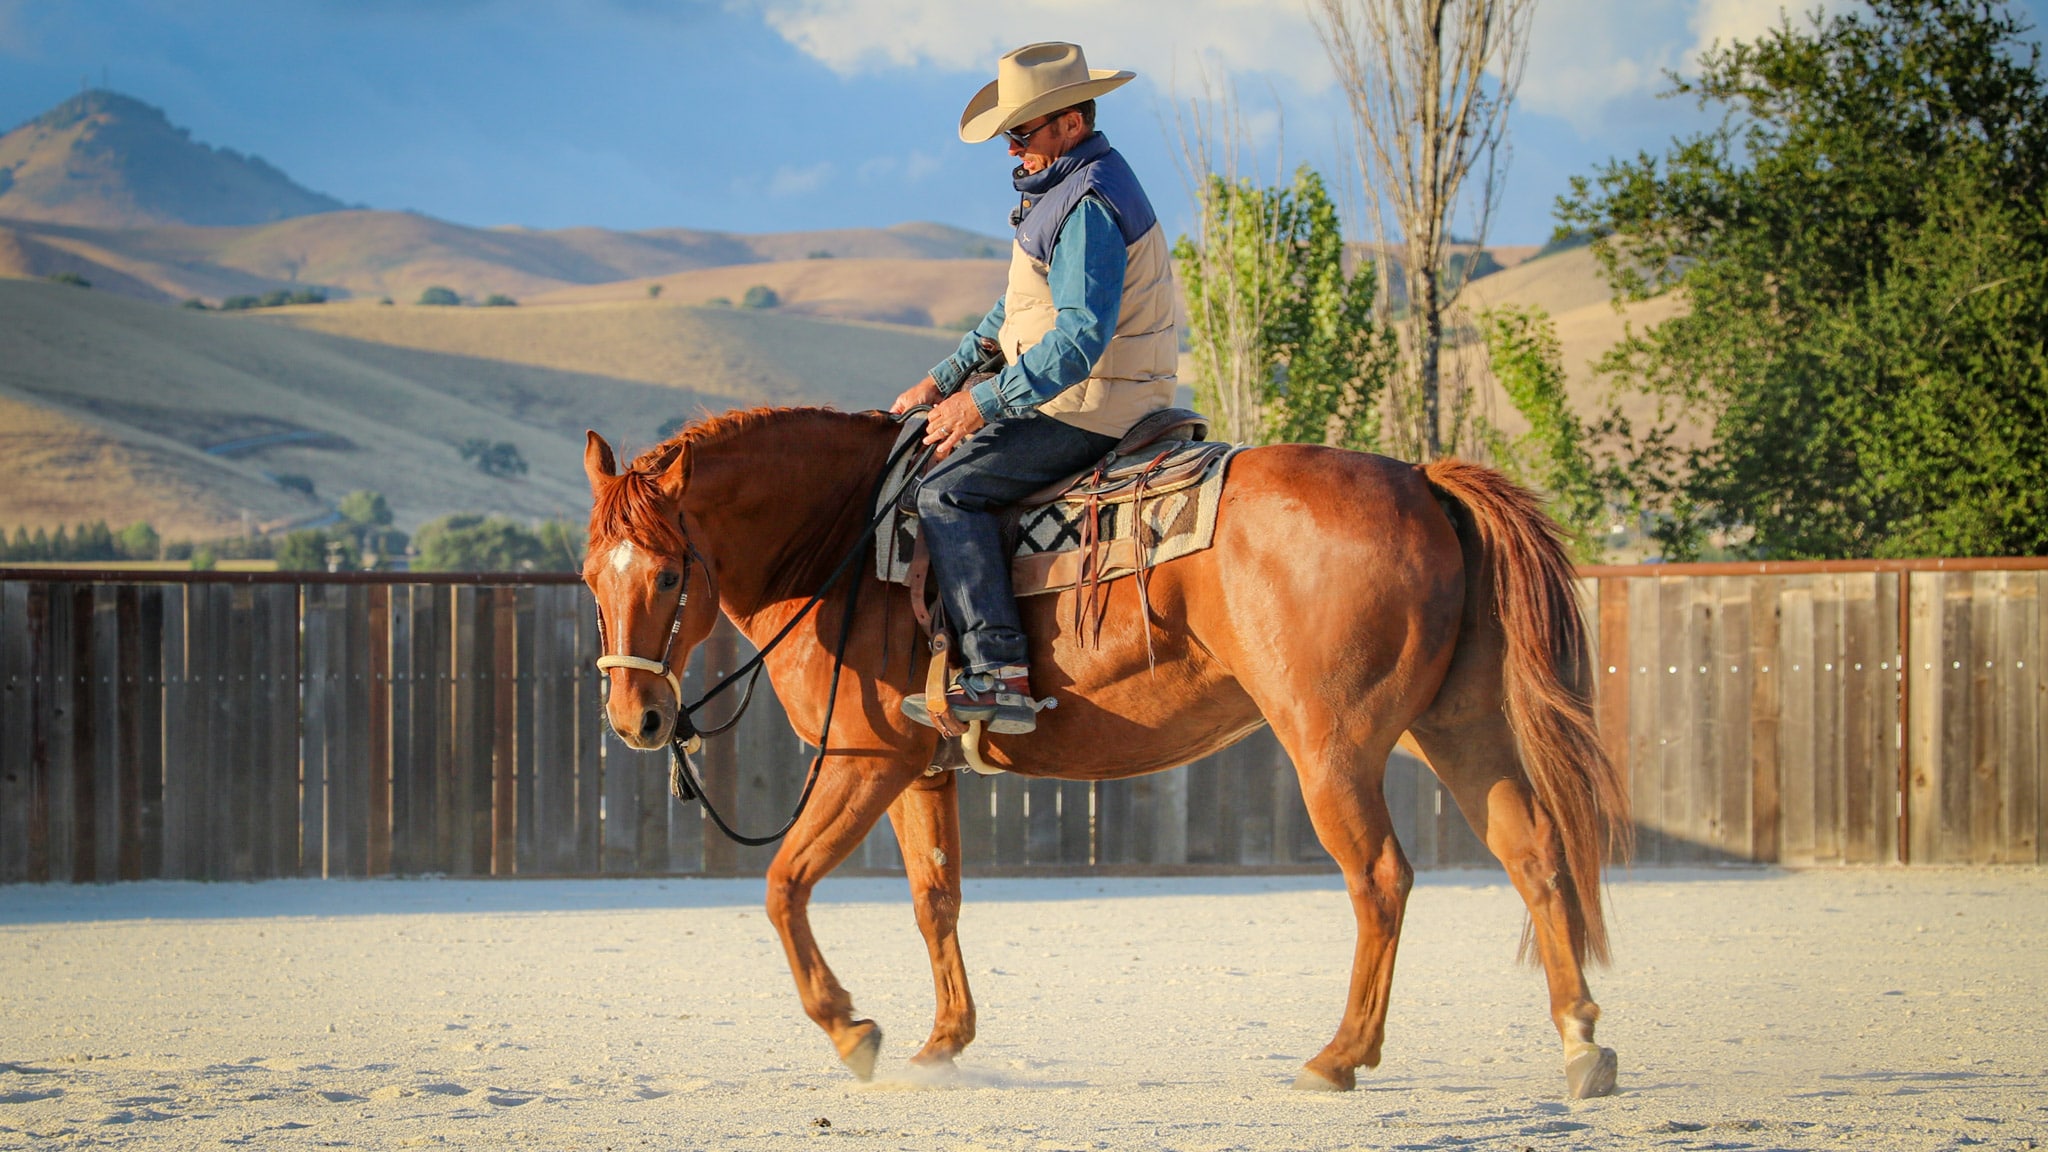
654, 291
1522, 350
468, 542
139, 541
365, 508
500, 458
1863, 248
1284, 344
561, 546
499, 300
760, 296
439, 297
313, 550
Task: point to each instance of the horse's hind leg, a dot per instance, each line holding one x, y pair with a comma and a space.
1478, 764
1346, 802
927, 822
842, 810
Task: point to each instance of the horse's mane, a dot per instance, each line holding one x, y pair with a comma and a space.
629, 508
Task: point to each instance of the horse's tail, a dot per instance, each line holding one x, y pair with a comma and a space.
1547, 680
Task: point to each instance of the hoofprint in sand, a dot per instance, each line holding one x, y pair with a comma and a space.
1876, 1009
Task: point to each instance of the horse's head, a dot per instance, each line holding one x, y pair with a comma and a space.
656, 599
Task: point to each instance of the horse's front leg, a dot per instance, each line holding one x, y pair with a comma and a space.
849, 798
927, 821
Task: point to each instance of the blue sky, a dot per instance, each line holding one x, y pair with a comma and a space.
767, 115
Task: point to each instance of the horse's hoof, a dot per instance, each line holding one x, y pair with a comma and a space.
859, 1057
1590, 1073
1310, 1080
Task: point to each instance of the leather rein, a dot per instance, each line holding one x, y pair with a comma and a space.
685, 738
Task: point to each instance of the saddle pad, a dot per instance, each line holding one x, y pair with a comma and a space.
1177, 521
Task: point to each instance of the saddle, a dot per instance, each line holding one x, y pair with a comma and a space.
1153, 498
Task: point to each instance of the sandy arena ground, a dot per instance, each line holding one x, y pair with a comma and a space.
1880, 1009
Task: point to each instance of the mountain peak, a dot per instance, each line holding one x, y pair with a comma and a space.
105, 159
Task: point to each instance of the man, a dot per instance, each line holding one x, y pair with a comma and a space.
1086, 332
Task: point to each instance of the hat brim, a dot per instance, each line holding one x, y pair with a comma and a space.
984, 118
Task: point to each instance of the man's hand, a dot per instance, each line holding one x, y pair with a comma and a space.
925, 391
955, 419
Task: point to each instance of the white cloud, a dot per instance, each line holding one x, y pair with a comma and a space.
1584, 55
792, 181
1154, 38
1730, 20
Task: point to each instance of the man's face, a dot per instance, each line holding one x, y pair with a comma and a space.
1046, 139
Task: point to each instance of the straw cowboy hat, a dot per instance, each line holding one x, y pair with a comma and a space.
1034, 80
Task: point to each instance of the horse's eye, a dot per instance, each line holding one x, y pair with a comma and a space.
667, 581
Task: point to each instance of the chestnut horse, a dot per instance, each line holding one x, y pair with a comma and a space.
1349, 599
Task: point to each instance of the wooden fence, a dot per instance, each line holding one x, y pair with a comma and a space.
240, 726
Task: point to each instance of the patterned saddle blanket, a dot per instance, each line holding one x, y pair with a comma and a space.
1132, 513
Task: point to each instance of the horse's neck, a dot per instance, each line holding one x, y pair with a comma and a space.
780, 504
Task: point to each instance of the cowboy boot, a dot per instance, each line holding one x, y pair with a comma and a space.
1001, 699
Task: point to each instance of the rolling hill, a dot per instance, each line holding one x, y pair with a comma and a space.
125, 410
108, 160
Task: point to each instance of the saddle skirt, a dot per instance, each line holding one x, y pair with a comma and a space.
1143, 505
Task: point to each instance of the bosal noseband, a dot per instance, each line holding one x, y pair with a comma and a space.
660, 667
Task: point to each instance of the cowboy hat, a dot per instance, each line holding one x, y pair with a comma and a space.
1034, 80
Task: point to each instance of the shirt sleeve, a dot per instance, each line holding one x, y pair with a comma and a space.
948, 373
1087, 280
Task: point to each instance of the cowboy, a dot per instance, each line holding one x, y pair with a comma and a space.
1088, 347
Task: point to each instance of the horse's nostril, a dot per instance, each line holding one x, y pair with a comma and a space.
650, 723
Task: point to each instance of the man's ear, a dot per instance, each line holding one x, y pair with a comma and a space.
598, 463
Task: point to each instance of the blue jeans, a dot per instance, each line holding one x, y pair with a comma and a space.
959, 502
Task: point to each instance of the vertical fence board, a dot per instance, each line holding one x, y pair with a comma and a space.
504, 684
19, 706
1702, 757
102, 672
1796, 721
977, 820
554, 728
1010, 820
1954, 664
1613, 673
1645, 755
1766, 709
377, 734
1077, 822
1863, 759
243, 794
720, 760
1730, 673
1673, 674
149, 730
1923, 713
589, 746
317, 680
1826, 677
1042, 820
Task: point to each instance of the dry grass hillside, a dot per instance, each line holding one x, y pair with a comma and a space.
111, 408
397, 254
101, 158
1569, 286
926, 293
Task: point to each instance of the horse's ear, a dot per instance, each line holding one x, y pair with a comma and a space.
676, 476
598, 462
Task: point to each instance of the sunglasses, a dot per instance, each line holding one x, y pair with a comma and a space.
1021, 137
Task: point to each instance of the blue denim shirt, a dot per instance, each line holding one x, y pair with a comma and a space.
1087, 279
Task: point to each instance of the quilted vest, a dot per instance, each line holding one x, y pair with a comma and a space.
1136, 374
